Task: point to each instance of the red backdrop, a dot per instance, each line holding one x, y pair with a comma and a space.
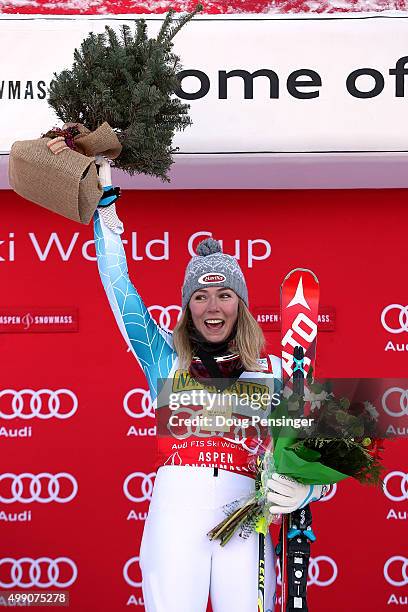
355, 243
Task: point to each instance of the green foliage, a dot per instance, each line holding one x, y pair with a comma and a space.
129, 81
346, 456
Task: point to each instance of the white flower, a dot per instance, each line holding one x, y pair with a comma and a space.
371, 410
315, 397
287, 392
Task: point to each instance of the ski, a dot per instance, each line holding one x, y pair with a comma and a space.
299, 317
299, 313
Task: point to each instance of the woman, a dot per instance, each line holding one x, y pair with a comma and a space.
216, 344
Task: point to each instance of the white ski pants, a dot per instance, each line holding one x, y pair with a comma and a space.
180, 566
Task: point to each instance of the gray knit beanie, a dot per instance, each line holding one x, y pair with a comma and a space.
213, 268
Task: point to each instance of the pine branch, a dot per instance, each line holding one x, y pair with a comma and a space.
141, 32
128, 80
164, 30
183, 20
126, 35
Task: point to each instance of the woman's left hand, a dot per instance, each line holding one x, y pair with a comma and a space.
287, 495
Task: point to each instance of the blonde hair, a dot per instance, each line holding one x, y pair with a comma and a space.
248, 342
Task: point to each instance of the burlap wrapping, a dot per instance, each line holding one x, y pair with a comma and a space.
103, 141
66, 183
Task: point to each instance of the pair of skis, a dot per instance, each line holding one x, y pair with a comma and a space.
299, 317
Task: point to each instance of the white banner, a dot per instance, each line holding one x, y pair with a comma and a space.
258, 84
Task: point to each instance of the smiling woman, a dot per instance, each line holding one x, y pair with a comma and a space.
201, 467
214, 312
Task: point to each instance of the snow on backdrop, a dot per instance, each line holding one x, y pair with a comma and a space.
103, 7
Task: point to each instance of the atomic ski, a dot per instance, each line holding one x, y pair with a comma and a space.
299, 312
299, 317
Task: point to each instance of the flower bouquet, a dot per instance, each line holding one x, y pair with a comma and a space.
339, 442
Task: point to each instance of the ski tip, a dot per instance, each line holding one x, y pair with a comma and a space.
307, 270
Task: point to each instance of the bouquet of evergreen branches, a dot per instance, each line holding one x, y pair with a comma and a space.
117, 103
128, 80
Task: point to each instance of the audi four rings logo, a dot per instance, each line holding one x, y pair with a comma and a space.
52, 483
37, 576
143, 401
401, 478
389, 405
399, 326
315, 568
44, 403
399, 568
128, 564
322, 571
143, 484
168, 315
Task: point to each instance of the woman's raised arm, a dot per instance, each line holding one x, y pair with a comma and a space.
150, 344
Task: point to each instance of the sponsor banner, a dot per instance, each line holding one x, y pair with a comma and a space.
258, 84
89, 413
268, 318
20, 319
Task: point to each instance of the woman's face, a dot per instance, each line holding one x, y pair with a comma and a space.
214, 311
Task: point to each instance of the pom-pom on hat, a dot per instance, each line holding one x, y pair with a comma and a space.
213, 268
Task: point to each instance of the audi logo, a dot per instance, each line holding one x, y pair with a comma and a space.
402, 325
144, 486
403, 569
402, 396
143, 401
128, 564
314, 571
318, 566
36, 577
190, 430
167, 315
43, 403
402, 479
53, 483
195, 430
